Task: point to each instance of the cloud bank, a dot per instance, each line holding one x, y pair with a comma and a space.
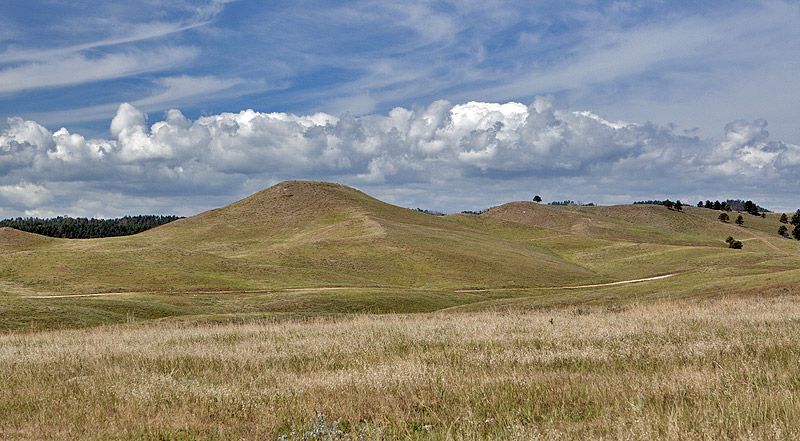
441, 156
697, 64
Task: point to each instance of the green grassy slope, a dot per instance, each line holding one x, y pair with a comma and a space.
295, 234
632, 241
16, 240
279, 250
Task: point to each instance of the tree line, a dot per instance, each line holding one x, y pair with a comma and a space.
570, 203
738, 205
784, 231
735, 205
728, 205
83, 228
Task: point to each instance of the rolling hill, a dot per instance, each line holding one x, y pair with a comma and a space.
315, 247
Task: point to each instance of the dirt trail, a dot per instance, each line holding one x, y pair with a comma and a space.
766, 242
336, 288
545, 238
58, 296
621, 282
260, 291
745, 230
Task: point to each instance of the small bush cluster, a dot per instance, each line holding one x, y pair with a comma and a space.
733, 243
431, 212
571, 203
670, 205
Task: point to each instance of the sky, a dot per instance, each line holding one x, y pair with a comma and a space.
112, 108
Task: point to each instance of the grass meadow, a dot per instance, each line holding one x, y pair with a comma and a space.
725, 368
313, 311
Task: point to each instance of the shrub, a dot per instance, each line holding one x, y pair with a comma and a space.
724, 217
736, 245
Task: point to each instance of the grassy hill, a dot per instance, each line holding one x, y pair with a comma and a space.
252, 321
15, 240
313, 247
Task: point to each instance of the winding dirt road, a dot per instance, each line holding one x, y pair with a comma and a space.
745, 230
766, 242
621, 282
336, 288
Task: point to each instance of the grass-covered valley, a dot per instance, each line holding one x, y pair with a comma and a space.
310, 303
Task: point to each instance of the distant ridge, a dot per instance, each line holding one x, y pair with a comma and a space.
13, 239
306, 234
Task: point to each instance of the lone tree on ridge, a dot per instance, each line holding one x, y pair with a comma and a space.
537, 199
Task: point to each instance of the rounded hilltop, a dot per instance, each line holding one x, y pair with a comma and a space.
13, 239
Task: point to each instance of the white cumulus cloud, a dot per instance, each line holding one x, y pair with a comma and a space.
25, 194
473, 153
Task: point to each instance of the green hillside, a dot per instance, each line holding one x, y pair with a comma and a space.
312, 247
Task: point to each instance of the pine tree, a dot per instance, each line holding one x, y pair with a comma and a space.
784, 218
724, 217
796, 218
739, 220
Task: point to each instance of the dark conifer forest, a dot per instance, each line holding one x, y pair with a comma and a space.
83, 228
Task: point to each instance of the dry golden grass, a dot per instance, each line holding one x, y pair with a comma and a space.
721, 369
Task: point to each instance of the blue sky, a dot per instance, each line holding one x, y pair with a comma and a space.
636, 100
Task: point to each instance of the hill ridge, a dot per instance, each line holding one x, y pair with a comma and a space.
306, 234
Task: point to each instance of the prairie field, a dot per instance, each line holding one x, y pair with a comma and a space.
724, 368
313, 311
